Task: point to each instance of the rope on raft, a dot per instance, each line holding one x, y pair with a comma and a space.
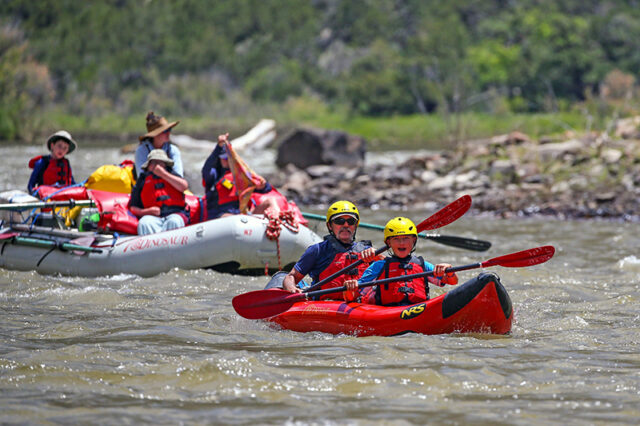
274, 227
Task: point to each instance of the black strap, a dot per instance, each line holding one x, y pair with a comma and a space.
46, 254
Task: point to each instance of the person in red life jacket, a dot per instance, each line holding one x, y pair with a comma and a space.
158, 136
220, 190
158, 196
53, 169
338, 250
400, 235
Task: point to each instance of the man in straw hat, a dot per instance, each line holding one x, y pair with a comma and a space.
53, 169
158, 137
158, 196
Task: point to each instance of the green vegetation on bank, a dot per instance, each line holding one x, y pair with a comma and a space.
382, 133
400, 73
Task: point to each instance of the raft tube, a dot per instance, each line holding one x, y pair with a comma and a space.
235, 244
480, 305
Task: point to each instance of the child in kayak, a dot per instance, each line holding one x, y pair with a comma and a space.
53, 169
400, 234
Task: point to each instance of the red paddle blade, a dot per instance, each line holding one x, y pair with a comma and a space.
446, 215
522, 258
264, 303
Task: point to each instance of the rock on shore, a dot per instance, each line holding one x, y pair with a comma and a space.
593, 175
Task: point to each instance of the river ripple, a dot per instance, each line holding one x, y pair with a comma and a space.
170, 349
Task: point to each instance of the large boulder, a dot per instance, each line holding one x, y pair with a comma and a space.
308, 147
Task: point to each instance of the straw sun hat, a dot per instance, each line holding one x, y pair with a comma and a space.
160, 155
65, 136
156, 124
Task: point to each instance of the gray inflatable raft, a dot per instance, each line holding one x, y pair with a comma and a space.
234, 244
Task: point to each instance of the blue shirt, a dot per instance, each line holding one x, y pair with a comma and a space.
172, 151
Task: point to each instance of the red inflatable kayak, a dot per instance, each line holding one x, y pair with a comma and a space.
480, 305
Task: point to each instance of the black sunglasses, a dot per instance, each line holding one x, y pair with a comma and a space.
342, 221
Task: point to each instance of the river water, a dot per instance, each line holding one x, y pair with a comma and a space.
171, 349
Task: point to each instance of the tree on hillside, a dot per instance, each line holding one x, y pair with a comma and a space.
439, 67
25, 87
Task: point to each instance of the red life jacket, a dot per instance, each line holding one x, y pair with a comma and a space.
402, 292
226, 189
343, 258
56, 171
158, 192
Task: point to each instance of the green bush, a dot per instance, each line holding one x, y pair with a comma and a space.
25, 87
276, 82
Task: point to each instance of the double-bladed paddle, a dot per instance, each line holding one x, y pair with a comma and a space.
449, 213
448, 240
268, 303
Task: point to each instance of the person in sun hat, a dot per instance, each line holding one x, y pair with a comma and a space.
158, 197
158, 136
401, 235
53, 169
338, 250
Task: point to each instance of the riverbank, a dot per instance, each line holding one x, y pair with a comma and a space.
407, 132
575, 176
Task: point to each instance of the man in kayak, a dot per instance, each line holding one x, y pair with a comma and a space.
158, 136
158, 196
338, 250
220, 191
401, 235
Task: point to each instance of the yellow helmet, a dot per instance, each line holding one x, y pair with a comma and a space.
342, 207
399, 226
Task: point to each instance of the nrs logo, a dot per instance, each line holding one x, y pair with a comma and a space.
413, 311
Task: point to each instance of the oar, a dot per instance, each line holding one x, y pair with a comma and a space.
36, 242
46, 204
52, 231
268, 303
448, 240
449, 213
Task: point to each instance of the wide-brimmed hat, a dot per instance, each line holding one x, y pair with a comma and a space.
156, 124
65, 136
160, 155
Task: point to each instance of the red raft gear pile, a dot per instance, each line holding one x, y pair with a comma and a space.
116, 217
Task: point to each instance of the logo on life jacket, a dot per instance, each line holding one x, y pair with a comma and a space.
225, 189
413, 311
